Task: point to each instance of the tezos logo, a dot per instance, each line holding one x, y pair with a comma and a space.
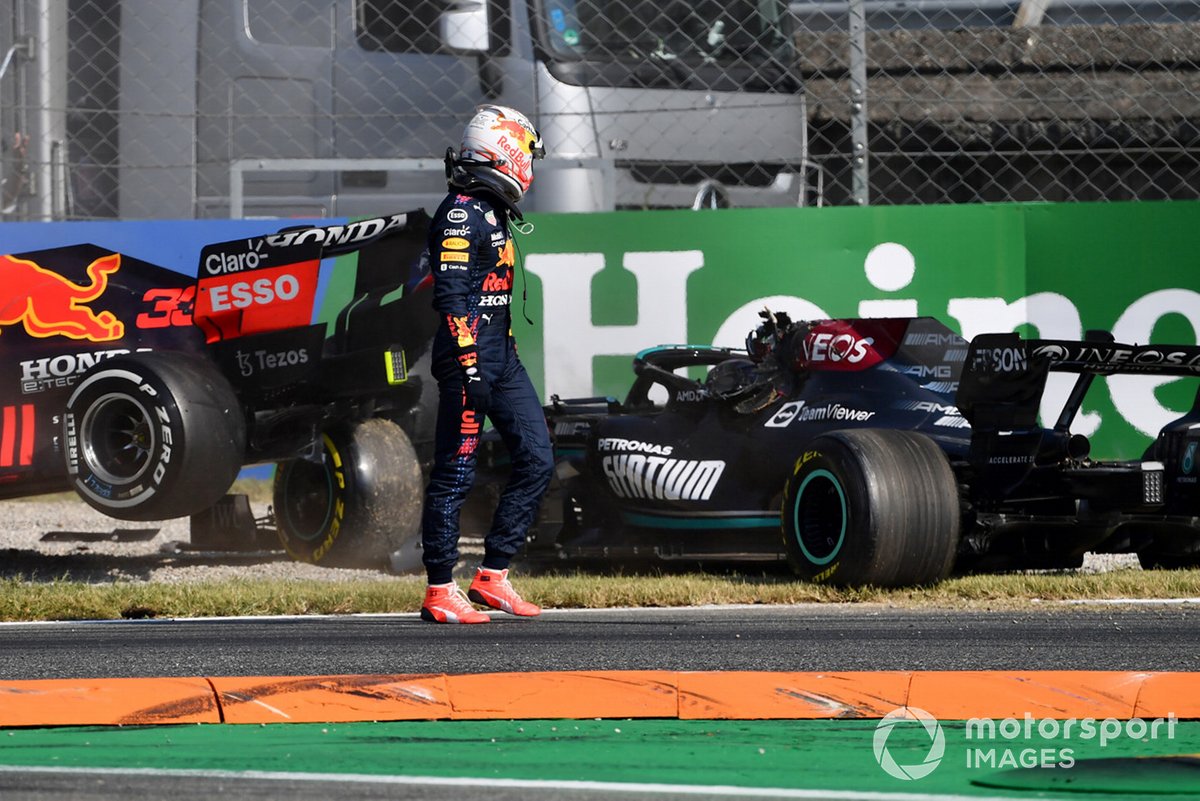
1189, 459
937, 744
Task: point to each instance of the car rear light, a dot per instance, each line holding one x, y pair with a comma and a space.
1152, 483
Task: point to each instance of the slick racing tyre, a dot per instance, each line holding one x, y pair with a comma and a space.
871, 507
357, 506
1151, 559
1167, 549
152, 436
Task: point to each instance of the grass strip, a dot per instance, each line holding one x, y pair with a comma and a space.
22, 599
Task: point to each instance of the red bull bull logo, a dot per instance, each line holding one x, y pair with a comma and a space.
505, 257
49, 305
521, 136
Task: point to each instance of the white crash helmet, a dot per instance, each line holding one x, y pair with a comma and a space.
498, 147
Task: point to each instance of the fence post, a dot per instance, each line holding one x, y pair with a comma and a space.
858, 103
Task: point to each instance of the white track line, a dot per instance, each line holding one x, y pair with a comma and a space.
727, 791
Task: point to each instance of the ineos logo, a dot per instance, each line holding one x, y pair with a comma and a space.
1055, 353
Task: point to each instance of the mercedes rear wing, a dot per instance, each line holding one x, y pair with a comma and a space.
1004, 375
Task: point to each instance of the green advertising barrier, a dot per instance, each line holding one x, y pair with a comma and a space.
603, 286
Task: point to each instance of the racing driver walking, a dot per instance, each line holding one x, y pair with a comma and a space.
476, 366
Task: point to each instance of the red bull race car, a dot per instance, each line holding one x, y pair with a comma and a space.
881, 452
146, 390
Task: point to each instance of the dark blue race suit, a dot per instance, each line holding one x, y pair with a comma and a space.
472, 258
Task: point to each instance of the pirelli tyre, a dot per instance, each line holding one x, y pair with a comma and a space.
871, 507
356, 506
154, 435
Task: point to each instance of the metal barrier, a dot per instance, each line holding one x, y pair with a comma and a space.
138, 108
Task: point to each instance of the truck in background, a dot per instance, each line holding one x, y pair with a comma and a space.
203, 108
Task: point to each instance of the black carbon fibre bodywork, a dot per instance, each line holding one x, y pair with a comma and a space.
251, 310
694, 468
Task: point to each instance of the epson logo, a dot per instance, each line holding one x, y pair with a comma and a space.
1001, 360
222, 263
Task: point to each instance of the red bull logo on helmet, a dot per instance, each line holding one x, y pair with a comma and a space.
48, 304
514, 134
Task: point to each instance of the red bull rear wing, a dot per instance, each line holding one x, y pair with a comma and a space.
259, 303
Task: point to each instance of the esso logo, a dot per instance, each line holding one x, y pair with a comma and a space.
244, 294
457, 215
827, 347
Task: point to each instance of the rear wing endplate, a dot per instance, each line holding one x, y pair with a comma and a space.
1004, 375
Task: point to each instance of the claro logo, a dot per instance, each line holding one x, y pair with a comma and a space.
250, 259
244, 294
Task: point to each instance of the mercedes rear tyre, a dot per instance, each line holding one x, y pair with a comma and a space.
871, 507
153, 435
358, 505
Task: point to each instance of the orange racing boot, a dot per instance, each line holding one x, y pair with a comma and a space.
446, 603
491, 588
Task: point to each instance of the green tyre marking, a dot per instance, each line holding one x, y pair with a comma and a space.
837, 548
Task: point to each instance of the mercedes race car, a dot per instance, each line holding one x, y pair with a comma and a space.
146, 390
883, 452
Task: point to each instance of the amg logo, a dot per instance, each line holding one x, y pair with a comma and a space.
633, 475
928, 370
935, 339
928, 406
338, 234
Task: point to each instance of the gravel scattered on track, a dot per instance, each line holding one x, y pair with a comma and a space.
32, 546
161, 551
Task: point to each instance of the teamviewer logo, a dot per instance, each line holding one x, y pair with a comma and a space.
917, 770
